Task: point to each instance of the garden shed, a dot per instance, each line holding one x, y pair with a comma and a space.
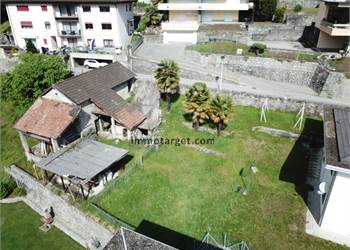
85, 166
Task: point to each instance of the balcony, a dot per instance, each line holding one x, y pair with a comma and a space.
72, 17
180, 26
70, 33
229, 5
333, 29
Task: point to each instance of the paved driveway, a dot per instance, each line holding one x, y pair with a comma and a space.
156, 51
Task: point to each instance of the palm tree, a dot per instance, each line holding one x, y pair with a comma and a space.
196, 103
221, 111
167, 76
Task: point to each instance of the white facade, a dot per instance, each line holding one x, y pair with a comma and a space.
186, 15
337, 214
53, 25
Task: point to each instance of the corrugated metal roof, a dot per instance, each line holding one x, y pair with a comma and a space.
84, 160
47, 118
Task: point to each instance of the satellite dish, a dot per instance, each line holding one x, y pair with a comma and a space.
322, 188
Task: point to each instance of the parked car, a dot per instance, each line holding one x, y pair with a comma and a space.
94, 64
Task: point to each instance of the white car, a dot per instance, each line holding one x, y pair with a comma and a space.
94, 64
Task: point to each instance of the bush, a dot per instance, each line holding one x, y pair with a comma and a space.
279, 15
297, 8
258, 48
142, 26
265, 9
19, 191
7, 185
29, 78
30, 47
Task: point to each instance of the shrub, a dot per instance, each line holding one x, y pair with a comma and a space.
30, 47
19, 191
265, 9
297, 8
279, 15
7, 185
258, 48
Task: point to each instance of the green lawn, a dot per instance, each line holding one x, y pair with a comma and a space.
230, 48
191, 192
20, 230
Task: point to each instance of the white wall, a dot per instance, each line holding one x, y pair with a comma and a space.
337, 214
38, 18
54, 94
118, 16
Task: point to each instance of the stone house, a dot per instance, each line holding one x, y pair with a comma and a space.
94, 102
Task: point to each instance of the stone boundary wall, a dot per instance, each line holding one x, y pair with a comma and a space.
68, 218
304, 3
274, 102
147, 67
293, 72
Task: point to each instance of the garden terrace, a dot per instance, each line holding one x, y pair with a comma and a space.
191, 192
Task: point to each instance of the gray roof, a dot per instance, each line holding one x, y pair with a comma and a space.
84, 160
134, 241
83, 87
337, 137
67, 1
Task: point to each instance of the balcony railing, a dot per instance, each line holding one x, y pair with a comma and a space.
335, 29
184, 26
205, 6
70, 33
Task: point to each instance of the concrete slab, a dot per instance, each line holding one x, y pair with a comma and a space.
312, 228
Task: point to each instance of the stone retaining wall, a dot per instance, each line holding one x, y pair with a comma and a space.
68, 218
292, 72
304, 3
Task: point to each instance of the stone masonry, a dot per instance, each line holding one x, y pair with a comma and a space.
68, 218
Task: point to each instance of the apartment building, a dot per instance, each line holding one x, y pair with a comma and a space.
185, 16
53, 23
334, 25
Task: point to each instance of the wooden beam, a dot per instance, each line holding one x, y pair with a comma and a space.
64, 186
25, 145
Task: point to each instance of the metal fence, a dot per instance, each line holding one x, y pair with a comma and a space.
134, 44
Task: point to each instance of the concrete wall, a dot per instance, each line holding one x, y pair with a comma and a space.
337, 216
118, 16
68, 218
326, 41
304, 3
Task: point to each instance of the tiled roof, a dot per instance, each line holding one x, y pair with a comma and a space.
47, 118
84, 86
97, 85
337, 137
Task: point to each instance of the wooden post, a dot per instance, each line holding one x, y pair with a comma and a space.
25, 145
100, 124
55, 146
64, 186
82, 191
70, 191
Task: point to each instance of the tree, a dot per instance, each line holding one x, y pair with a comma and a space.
221, 111
29, 78
265, 9
30, 47
279, 15
196, 103
167, 76
152, 16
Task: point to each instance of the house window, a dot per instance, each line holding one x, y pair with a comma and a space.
26, 25
130, 6
86, 8
89, 26
108, 43
44, 7
45, 41
47, 25
22, 8
125, 132
106, 26
104, 8
89, 42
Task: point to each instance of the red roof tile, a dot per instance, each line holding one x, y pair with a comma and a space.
47, 118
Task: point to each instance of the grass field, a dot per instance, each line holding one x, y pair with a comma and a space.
190, 192
230, 48
20, 230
